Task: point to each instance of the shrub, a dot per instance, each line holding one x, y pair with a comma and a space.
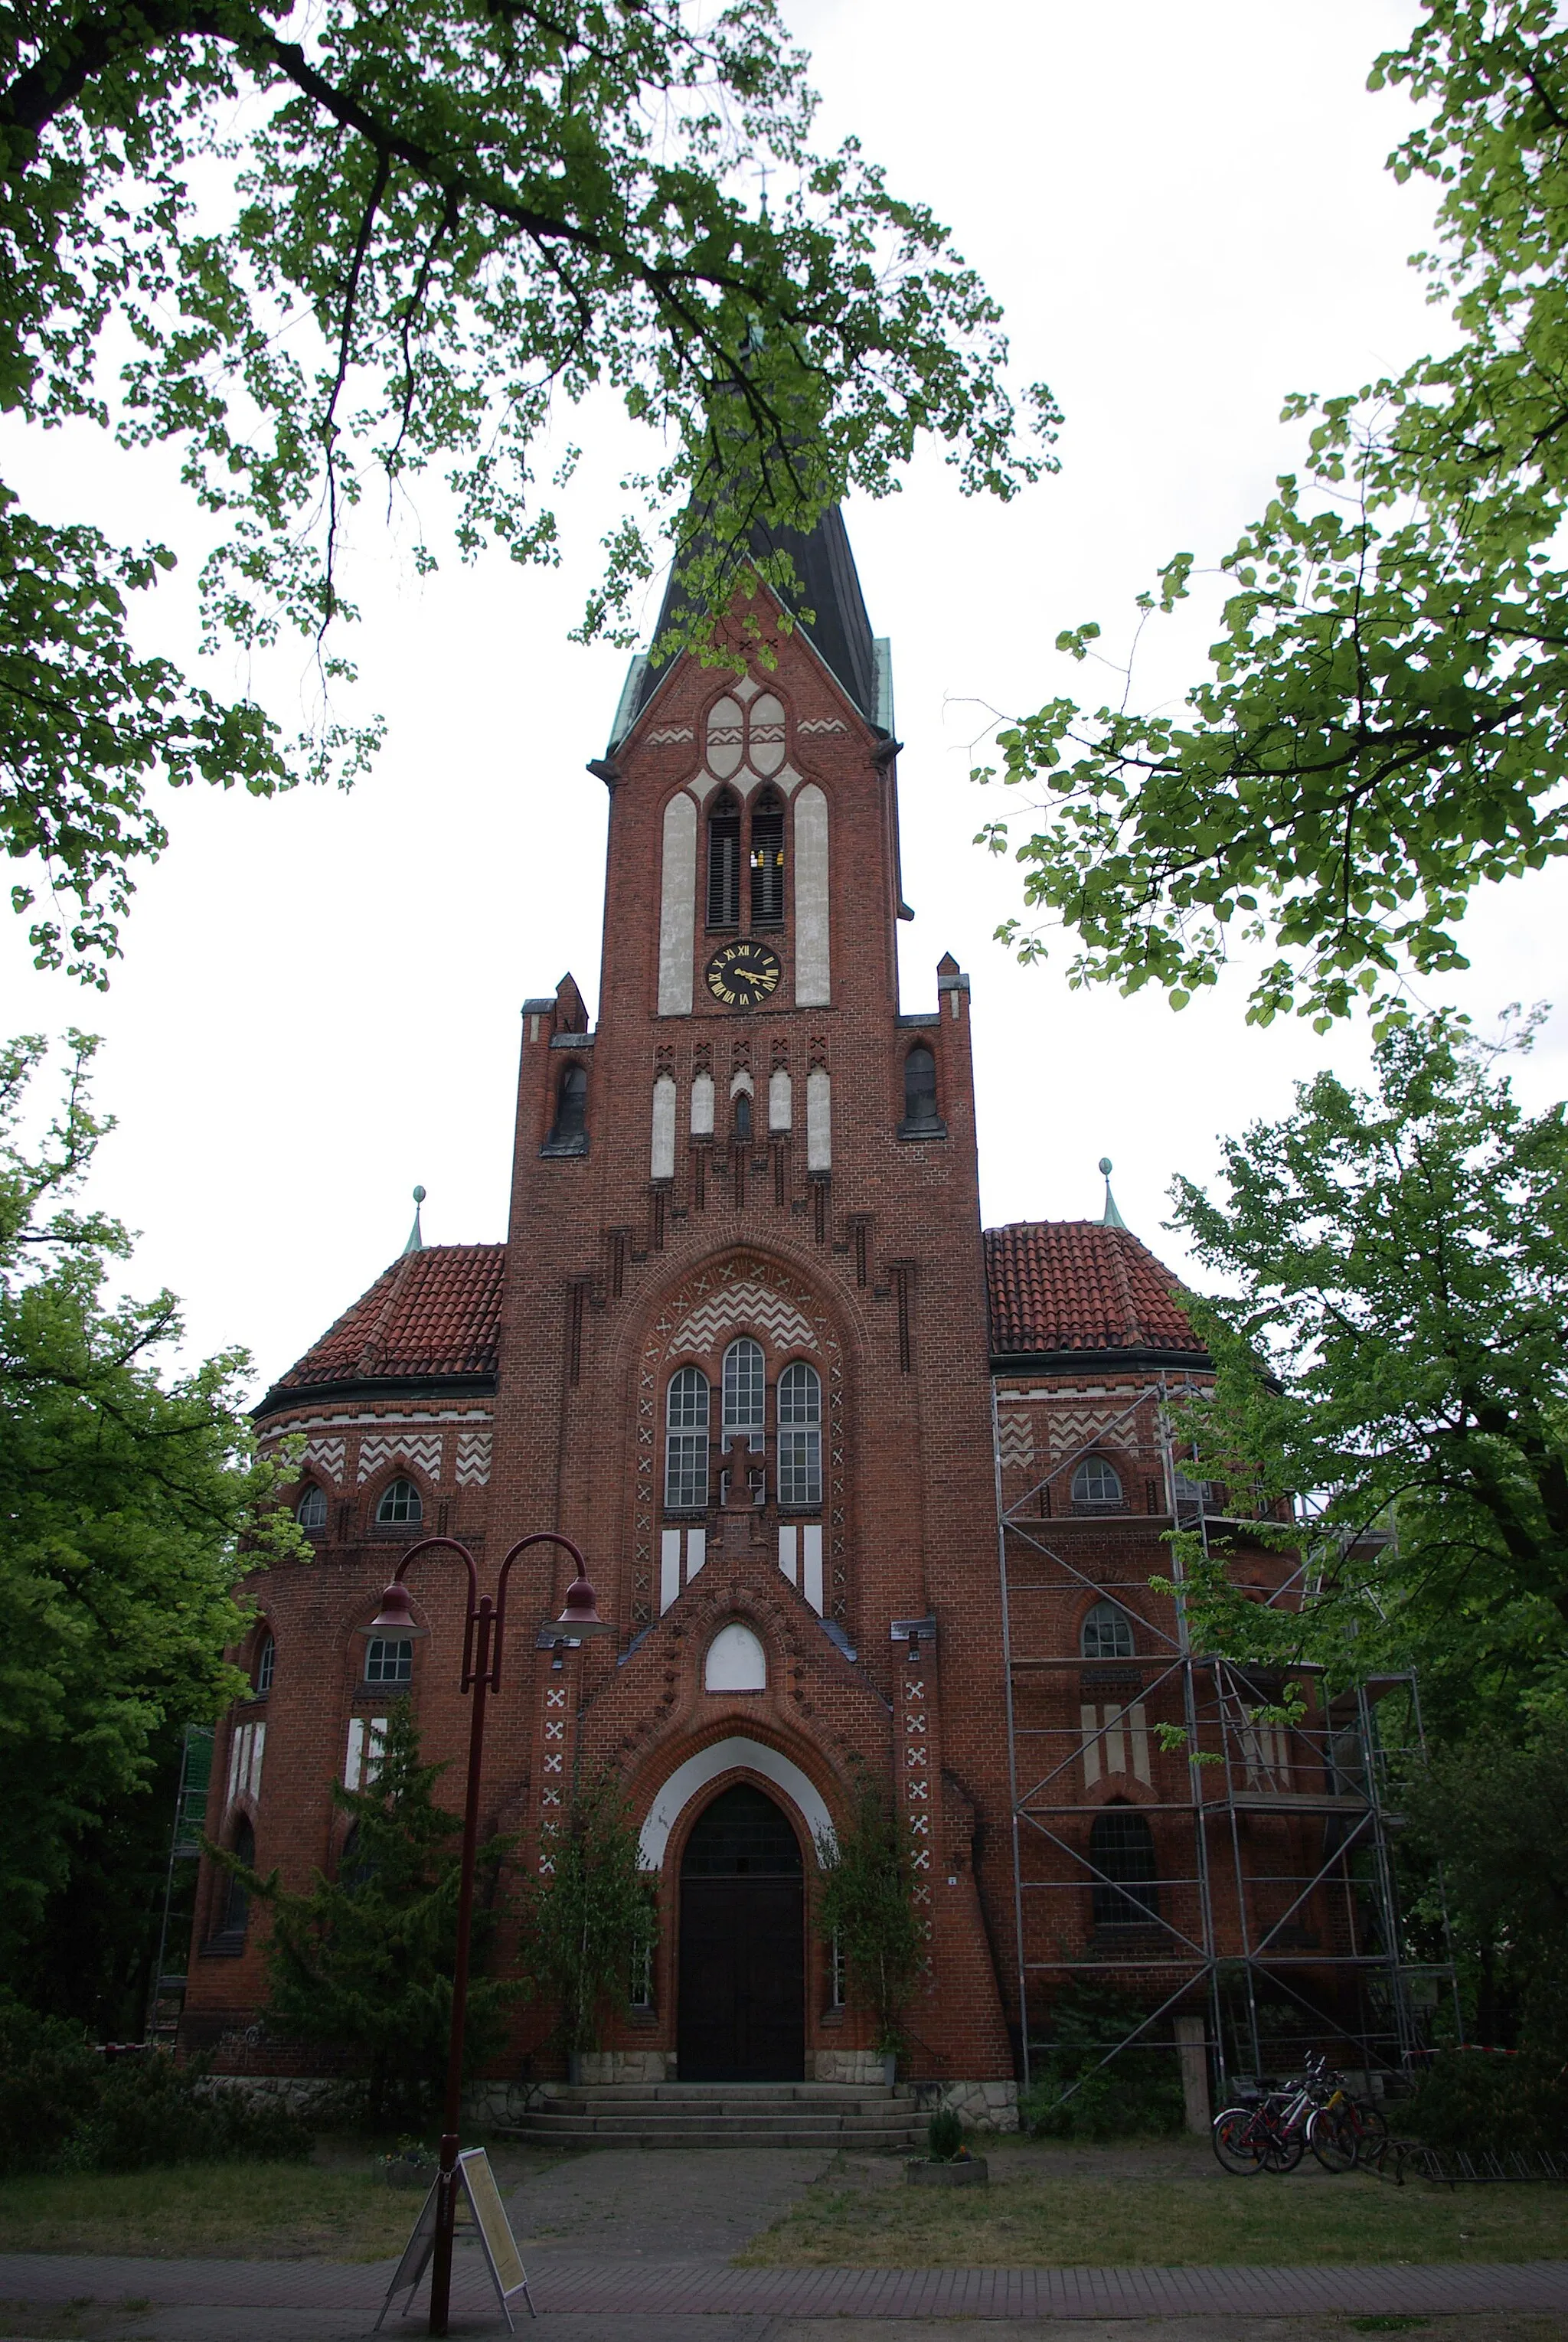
49, 2082
1138, 2093
1486, 2101
943, 2135
64, 2105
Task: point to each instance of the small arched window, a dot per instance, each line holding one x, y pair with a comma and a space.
237, 1896
1121, 1848
354, 1866
724, 861
686, 1407
1107, 1633
1096, 1482
401, 1505
920, 1090
745, 1390
311, 1510
742, 1113
267, 1659
389, 1661
800, 1436
735, 1661
570, 1135
767, 860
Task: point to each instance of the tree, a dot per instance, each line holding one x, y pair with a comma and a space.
1384, 727
364, 1961
592, 1919
124, 1499
866, 1909
446, 221
1392, 1344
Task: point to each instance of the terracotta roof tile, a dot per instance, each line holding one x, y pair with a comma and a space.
435, 1312
1077, 1284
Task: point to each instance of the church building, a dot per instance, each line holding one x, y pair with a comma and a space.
866, 1492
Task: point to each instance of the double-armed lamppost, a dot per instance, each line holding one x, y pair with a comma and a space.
482, 1635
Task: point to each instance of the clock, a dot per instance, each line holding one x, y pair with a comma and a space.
742, 974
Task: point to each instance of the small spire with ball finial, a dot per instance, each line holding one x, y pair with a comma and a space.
1110, 1218
415, 1234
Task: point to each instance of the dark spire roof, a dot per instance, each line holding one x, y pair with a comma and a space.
830, 586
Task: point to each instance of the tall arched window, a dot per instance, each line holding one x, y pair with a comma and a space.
920, 1090
743, 1114
724, 861
745, 1391
401, 1505
311, 1510
800, 1436
1096, 1482
265, 1666
686, 1441
570, 1135
1122, 1848
1107, 1633
767, 859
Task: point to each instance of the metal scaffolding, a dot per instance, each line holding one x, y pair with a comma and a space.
1273, 1917
166, 2000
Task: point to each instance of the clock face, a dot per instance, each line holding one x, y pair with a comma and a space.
742, 974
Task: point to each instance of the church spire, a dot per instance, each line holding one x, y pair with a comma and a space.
1110, 1218
415, 1234
839, 629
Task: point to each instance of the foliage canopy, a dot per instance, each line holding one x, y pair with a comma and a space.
123, 1498
1397, 1261
322, 252
1384, 727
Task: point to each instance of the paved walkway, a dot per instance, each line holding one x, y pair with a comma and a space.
328, 2299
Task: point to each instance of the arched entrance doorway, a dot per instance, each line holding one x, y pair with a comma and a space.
742, 2000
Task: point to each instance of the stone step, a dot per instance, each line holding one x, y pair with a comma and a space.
579, 2102
694, 2125
822, 2093
739, 2131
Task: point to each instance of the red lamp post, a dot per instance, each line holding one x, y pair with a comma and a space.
482, 1636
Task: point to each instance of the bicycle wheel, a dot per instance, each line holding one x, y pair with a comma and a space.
1237, 2137
1372, 2136
1331, 2136
1284, 2149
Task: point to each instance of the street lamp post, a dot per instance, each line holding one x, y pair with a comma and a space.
482, 1628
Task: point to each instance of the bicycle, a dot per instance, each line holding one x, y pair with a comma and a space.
1271, 2131
1342, 2132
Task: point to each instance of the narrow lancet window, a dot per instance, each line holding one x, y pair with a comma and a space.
686, 1442
920, 1090
800, 1436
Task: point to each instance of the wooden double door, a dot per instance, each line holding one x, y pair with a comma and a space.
742, 1949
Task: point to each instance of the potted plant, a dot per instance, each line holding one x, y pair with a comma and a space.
947, 2162
411, 2164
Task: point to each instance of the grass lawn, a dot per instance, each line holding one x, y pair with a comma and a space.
223, 2211
1033, 2216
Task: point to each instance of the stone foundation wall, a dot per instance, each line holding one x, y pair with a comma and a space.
979, 2106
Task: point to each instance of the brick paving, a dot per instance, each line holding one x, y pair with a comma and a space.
344, 2298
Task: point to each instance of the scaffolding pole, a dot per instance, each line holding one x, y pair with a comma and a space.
1316, 1933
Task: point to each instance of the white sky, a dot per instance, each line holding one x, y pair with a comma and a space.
1184, 212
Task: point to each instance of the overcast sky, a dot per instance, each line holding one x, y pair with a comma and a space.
1184, 211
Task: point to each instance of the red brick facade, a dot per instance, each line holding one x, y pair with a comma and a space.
698, 1172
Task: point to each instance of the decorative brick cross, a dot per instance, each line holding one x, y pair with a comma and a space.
739, 1460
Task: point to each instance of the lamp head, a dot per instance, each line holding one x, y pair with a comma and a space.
394, 1618
581, 1615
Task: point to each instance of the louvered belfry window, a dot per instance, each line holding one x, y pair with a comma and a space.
767, 860
725, 861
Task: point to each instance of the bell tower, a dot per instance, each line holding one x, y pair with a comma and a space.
743, 1337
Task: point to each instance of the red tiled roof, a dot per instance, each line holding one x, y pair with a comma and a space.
435, 1312
1078, 1285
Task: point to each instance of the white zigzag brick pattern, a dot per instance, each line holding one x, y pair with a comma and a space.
1076, 1426
326, 1455
668, 732
1016, 1441
783, 1323
420, 1449
473, 1459
818, 723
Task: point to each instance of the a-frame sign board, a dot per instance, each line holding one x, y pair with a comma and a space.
486, 2220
